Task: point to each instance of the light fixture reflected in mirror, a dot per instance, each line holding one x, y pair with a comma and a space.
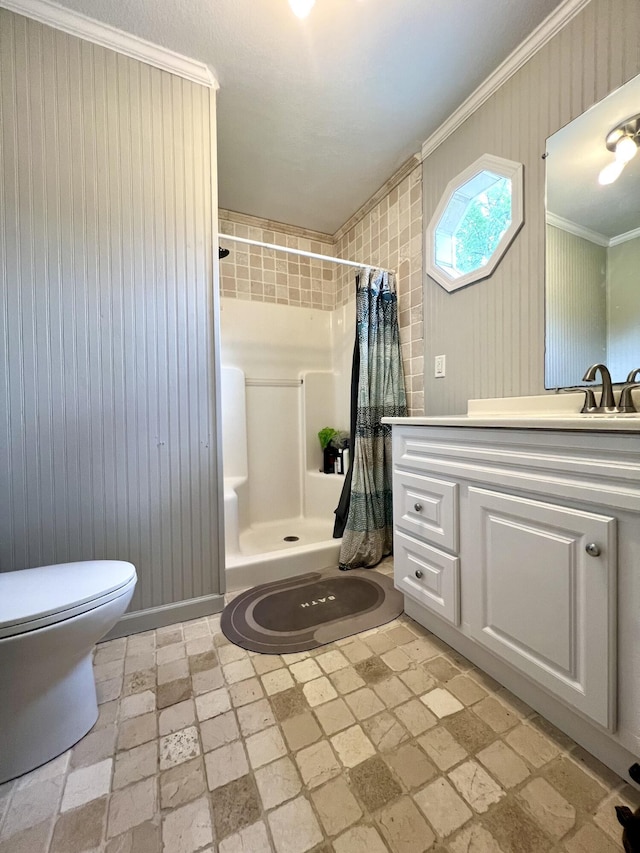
610, 173
626, 149
301, 8
623, 141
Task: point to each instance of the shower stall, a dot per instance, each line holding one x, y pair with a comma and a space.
285, 376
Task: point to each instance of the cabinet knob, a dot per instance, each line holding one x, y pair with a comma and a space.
417, 507
418, 574
592, 549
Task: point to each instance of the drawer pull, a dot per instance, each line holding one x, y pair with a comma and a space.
592, 549
417, 507
418, 574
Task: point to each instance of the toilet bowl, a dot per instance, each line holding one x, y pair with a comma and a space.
50, 619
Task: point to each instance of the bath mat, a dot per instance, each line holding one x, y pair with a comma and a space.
308, 611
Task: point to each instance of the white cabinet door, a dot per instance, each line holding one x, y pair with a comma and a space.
428, 575
542, 600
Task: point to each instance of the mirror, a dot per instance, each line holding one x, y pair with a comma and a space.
593, 243
478, 216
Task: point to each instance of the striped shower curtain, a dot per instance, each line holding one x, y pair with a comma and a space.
367, 536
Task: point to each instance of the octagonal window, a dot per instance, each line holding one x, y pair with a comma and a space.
479, 214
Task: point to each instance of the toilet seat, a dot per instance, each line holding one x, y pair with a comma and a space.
33, 598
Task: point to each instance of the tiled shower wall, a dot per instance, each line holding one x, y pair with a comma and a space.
265, 275
386, 232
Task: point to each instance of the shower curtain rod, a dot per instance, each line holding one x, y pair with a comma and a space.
301, 252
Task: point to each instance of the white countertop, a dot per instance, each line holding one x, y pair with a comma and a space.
548, 411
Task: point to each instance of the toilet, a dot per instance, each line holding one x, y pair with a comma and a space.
50, 619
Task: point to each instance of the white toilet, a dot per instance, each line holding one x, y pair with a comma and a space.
50, 619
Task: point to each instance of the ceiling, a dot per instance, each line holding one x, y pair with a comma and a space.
315, 115
575, 156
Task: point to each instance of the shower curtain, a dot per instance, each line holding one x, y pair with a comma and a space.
364, 517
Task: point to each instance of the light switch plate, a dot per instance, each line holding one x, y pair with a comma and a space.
439, 366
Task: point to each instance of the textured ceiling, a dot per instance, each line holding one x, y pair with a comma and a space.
315, 115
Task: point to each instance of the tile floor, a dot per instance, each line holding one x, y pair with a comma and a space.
384, 741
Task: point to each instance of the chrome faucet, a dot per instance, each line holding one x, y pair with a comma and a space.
607, 401
633, 375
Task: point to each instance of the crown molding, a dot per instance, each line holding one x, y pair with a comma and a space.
390, 184
233, 216
576, 229
551, 25
624, 238
587, 234
76, 24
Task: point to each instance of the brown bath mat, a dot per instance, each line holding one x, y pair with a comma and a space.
308, 611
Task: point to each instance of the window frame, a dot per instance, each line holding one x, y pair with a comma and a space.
500, 166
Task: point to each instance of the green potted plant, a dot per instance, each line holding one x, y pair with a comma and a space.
325, 435
333, 443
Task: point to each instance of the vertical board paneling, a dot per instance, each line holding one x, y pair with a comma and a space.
623, 263
576, 306
493, 332
107, 438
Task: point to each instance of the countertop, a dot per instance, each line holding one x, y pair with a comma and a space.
549, 411
590, 423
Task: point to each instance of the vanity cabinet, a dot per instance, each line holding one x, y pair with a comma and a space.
521, 549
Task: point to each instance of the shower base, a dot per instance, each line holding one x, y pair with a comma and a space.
265, 555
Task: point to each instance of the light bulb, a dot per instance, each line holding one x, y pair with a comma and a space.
610, 173
301, 8
626, 149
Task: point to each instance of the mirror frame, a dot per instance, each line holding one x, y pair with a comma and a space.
488, 162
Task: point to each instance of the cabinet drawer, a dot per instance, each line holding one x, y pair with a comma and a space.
427, 508
428, 575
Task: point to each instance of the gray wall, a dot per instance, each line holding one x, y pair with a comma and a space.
107, 432
623, 287
576, 306
492, 332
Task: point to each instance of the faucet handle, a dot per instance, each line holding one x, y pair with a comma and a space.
626, 403
589, 401
633, 375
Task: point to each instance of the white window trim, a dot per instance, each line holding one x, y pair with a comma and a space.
500, 166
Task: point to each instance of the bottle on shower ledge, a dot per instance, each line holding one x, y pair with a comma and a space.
342, 460
329, 459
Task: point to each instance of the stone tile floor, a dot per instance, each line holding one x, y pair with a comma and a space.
384, 741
